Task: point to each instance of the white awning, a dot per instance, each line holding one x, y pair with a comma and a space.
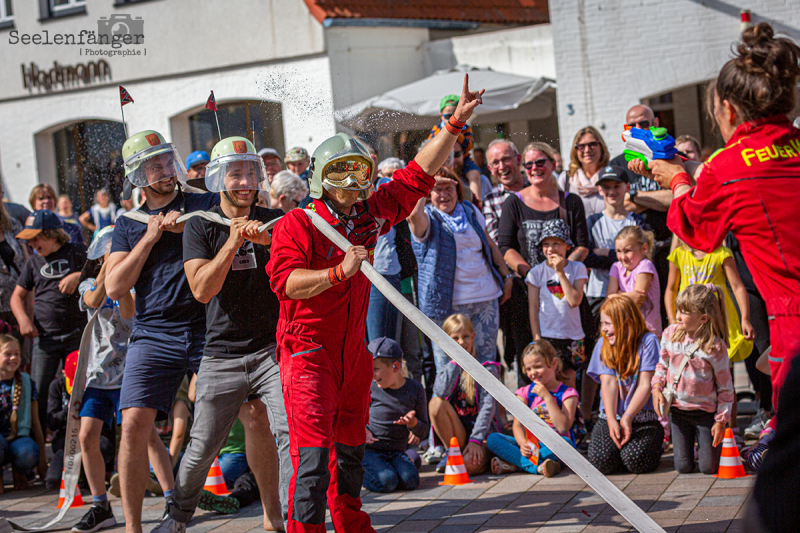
416, 105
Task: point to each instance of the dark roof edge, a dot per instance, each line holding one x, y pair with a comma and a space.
402, 23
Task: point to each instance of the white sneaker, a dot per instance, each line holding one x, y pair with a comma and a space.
169, 525
756, 425
433, 455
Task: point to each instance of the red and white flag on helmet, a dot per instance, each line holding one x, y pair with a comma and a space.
211, 103
124, 96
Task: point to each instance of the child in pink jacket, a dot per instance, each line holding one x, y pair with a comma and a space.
704, 390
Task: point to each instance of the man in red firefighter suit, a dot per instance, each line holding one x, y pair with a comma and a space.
325, 368
751, 188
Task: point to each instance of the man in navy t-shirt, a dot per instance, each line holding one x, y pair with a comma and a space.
169, 326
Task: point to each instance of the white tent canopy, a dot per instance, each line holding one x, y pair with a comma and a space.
416, 105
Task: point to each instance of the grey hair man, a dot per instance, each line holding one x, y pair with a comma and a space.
287, 191
504, 160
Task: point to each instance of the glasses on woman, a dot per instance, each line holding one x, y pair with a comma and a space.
446, 116
539, 163
582, 147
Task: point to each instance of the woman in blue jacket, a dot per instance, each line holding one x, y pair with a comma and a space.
460, 268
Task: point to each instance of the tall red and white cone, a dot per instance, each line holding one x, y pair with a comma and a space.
215, 483
730, 462
455, 473
62, 495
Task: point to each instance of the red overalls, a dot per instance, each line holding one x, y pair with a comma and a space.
326, 370
752, 188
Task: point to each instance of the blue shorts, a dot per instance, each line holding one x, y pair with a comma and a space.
101, 404
156, 365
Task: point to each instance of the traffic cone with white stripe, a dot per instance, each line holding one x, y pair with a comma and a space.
215, 483
455, 473
62, 495
730, 463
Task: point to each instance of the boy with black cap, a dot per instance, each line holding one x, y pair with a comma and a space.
398, 416
603, 229
52, 273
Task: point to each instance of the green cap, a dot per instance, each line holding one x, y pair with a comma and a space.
450, 99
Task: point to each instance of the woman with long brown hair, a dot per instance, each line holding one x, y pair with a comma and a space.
627, 432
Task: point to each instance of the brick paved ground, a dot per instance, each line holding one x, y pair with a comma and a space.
516, 503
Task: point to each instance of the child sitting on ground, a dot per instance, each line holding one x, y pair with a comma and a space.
398, 416
552, 401
460, 407
21, 439
555, 290
703, 385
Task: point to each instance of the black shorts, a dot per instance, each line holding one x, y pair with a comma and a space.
571, 353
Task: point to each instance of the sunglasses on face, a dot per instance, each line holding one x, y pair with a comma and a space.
457, 154
446, 116
586, 146
643, 124
539, 163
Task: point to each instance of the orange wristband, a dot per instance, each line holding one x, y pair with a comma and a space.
332, 276
682, 178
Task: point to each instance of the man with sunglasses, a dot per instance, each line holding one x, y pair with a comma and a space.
325, 367
169, 325
648, 199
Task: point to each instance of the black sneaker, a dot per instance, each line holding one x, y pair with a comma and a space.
218, 504
98, 517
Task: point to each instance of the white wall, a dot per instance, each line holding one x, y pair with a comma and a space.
610, 54
526, 51
303, 87
180, 36
366, 61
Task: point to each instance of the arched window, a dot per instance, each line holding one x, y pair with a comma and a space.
88, 157
260, 121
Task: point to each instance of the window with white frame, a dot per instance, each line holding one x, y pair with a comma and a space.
60, 5
6, 11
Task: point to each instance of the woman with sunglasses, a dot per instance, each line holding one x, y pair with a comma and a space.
525, 213
589, 154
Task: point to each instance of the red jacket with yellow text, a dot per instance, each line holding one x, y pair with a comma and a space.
751, 188
336, 318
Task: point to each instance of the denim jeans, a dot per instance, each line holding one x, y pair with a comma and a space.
485, 317
382, 314
22, 453
507, 449
232, 465
686, 425
389, 471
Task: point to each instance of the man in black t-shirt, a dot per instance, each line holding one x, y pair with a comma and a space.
52, 274
225, 269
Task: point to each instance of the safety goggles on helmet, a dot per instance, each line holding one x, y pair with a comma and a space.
101, 243
157, 163
237, 172
351, 174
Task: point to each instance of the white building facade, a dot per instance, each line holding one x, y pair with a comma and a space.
613, 54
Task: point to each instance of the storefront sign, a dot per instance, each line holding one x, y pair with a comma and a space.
64, 75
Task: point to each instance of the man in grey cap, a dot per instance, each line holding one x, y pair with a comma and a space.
272, 162
297, 160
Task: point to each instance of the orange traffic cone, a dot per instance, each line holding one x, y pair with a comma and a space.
455, 473
215, 483
730, 463
62, 494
